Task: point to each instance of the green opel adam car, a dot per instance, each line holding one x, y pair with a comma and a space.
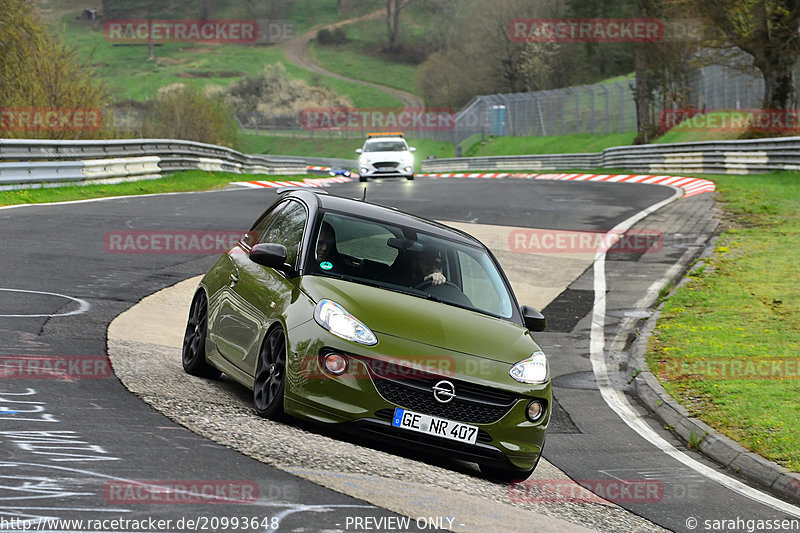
393, 326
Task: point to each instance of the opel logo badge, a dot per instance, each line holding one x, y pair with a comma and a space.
444, 391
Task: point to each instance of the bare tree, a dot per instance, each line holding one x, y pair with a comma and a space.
393, 9
767, 30
484, 59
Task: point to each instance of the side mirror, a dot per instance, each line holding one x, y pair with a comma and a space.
269, 255
359, 151
412, 149
533, 319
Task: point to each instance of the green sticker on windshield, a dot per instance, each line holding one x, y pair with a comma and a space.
326, 265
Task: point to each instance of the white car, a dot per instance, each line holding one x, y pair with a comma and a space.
385, 155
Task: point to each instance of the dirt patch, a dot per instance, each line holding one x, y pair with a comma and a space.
171, 61
196, 49
211, 74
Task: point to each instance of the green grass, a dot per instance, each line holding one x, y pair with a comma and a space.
361, 96
742, 304
559, 144
127, 73
354, 61
363, 56
308, 14
323, 146
190, 180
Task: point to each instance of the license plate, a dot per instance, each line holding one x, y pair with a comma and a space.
433, 425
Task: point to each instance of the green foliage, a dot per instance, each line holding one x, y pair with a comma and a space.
186, 113
274, 93
36, 72
327, 37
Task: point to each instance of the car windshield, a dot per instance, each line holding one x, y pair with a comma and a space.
385, 146
402, 259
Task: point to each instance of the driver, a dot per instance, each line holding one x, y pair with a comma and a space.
413, 268
428, 267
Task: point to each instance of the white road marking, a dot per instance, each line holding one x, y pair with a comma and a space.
616, 399
83, 305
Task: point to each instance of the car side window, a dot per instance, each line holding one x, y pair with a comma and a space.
254, 236
287, 229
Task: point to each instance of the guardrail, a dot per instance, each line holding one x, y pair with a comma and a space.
710, 157
31, 162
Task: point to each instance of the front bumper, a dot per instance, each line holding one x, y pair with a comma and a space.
355, 404
385, 171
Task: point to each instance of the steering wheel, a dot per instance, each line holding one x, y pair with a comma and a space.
447, 291
428, 282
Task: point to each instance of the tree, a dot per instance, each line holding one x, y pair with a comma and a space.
483, 58
393, 9
36, 72
186, 113
767, 30
152, 10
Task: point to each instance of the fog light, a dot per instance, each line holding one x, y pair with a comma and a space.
408, 169
364, 170
335, 363
535, 410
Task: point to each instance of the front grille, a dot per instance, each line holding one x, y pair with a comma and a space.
473, 403
388, 414
386, 164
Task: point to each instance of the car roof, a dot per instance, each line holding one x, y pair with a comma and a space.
383, 213
384, 139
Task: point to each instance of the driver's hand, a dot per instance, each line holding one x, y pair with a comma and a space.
437, 278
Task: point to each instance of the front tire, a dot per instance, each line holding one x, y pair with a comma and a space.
410, 178
362, 179
193, 355
270, 380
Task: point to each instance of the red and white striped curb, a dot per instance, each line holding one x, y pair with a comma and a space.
324, 169
690, 186
308, 182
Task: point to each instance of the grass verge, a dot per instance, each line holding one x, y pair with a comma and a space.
190, 180
739, 308
559, 144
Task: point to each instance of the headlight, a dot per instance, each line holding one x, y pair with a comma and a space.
531, 370
338, 321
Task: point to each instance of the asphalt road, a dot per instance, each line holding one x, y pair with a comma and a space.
63, 440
